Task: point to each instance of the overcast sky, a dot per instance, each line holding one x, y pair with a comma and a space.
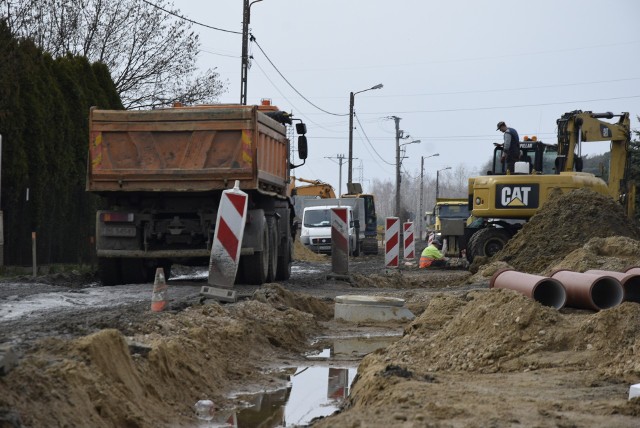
450, 69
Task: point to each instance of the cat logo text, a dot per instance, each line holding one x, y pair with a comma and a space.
517, 196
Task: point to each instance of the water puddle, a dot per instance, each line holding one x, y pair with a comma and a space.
312, 391
353, 347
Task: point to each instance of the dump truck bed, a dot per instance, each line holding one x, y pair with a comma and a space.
186, 149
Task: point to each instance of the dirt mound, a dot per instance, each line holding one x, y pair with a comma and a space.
496, 330
615, 253
464, 347
302, 253
565, 223
281, 299
153, 377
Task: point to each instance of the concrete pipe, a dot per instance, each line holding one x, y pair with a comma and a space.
547, 291
630, 282
588, 291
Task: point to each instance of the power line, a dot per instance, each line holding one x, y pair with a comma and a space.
189, 20
506, 107
285, 98
219, 54
253, 39
367, 138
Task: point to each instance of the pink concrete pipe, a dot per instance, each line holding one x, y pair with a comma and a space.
630, 282
547, 291
588, 291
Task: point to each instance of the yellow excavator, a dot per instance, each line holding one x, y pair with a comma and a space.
314, 188
501, 203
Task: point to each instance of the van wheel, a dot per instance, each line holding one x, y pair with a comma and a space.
356, 251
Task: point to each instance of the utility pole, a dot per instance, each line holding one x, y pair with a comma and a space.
397, 121
244, 70
421, 212
340, 158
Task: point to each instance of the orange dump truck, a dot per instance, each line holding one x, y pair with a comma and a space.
160, 175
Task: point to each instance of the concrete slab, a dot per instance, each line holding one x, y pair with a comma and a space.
8, 359
370, 300
371, 308
219, 294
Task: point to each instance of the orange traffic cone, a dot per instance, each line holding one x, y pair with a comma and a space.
159, 297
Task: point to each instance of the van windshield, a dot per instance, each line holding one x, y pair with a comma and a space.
317, 218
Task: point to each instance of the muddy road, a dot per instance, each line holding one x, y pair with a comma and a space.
86, 355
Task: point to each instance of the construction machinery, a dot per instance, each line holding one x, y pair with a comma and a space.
451, 215
161, 173
501, 203
315, 189
370, 242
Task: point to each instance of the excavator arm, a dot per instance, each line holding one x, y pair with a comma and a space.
316, 188
577, 127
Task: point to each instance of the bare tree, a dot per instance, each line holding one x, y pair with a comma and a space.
150, 53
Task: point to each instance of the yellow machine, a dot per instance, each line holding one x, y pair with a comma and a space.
502, 203
370, 242
315, 188
451, 216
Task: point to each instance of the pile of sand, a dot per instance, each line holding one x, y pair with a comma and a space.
565, 223
497, 330
302, 253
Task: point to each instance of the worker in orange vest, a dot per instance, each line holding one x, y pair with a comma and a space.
431, 255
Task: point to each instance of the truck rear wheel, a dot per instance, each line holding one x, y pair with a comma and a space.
255, 268
273, 249
487, 242
134, 271
109, 271
284, 259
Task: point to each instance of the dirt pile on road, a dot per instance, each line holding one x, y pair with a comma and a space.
281, 299
302, 253
466, 346
153, 377
565, 223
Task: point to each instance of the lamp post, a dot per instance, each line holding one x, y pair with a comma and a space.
421, 210
352, 96
437, 181
398, 175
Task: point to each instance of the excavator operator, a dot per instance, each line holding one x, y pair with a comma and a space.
511, 146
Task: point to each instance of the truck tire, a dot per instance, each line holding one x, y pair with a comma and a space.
487, 242
133, 271
285, 255
273, 249
109, 271
256, 266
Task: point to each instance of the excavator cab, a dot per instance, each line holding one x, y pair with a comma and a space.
538, 156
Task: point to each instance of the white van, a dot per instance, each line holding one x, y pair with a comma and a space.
315, 233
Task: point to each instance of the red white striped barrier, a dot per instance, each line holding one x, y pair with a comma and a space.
339, 240
227, 239
409, 242
391, 242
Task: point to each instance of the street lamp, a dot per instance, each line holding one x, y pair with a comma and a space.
421, 210
352, 96
437, 180
398, 175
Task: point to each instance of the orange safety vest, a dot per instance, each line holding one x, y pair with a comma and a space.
427, 257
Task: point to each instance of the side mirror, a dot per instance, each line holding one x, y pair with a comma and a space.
302, 146
301, 128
